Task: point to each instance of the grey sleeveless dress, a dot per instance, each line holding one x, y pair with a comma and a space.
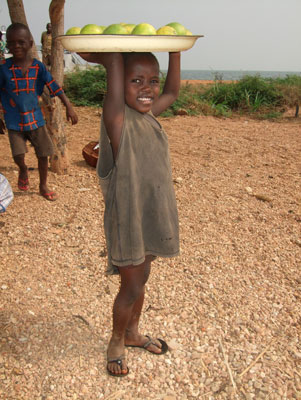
140, 215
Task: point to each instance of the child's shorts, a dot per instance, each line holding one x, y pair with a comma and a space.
39, 138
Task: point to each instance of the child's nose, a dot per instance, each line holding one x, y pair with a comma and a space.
146, 87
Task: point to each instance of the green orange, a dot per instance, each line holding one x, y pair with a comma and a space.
180, 29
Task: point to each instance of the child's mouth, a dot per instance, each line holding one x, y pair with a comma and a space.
145, 100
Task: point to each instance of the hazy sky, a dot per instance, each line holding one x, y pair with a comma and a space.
239, 34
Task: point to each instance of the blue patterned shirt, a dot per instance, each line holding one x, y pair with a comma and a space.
20, 94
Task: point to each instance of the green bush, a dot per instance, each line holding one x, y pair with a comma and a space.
187, 100
289, 80
86, 87
290, 87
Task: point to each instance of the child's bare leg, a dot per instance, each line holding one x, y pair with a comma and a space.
43, 172
132, 335
131, 290
20, 161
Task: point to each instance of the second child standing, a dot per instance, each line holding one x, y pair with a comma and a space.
22, 81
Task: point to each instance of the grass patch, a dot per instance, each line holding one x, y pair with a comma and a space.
251, 95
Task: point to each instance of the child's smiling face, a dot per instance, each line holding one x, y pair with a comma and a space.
19, 43
142, 82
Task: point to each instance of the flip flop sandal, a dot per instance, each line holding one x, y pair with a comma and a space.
164, 346
23, 184
51, 196
119, 362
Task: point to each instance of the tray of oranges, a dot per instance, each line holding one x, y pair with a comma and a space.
127, 38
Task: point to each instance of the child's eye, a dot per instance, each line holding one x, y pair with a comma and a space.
155, 81
136, 80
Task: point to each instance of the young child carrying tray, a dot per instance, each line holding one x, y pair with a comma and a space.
140, 219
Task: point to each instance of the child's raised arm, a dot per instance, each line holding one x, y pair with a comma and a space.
113, 108
172, 85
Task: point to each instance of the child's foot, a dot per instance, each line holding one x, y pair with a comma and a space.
115, 367
48, 194
23, 183
116, 363
155, 346
51, 196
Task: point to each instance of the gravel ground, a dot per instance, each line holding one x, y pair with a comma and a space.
228, 306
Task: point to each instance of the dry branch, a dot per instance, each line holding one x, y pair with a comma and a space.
256, 359
227, 365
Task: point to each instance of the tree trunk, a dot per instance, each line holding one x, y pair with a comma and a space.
59, 162
16, 11
56, 12
17, 14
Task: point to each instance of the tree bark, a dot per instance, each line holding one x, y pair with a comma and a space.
59, 162
16, 11
17, 14
56, 12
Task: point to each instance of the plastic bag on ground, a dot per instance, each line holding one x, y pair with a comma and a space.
6, 194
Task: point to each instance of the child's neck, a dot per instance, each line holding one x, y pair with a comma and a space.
23, 63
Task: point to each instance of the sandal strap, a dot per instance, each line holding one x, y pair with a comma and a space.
25, 181
149, 342
116, 360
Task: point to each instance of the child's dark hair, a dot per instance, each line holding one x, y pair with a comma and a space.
17, 26
131, 55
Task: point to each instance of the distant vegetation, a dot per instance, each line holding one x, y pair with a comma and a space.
253, 95
86, 87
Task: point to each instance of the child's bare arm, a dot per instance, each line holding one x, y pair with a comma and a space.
172, 85
113, 108
70, 113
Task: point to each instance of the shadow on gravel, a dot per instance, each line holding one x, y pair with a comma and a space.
35, 338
